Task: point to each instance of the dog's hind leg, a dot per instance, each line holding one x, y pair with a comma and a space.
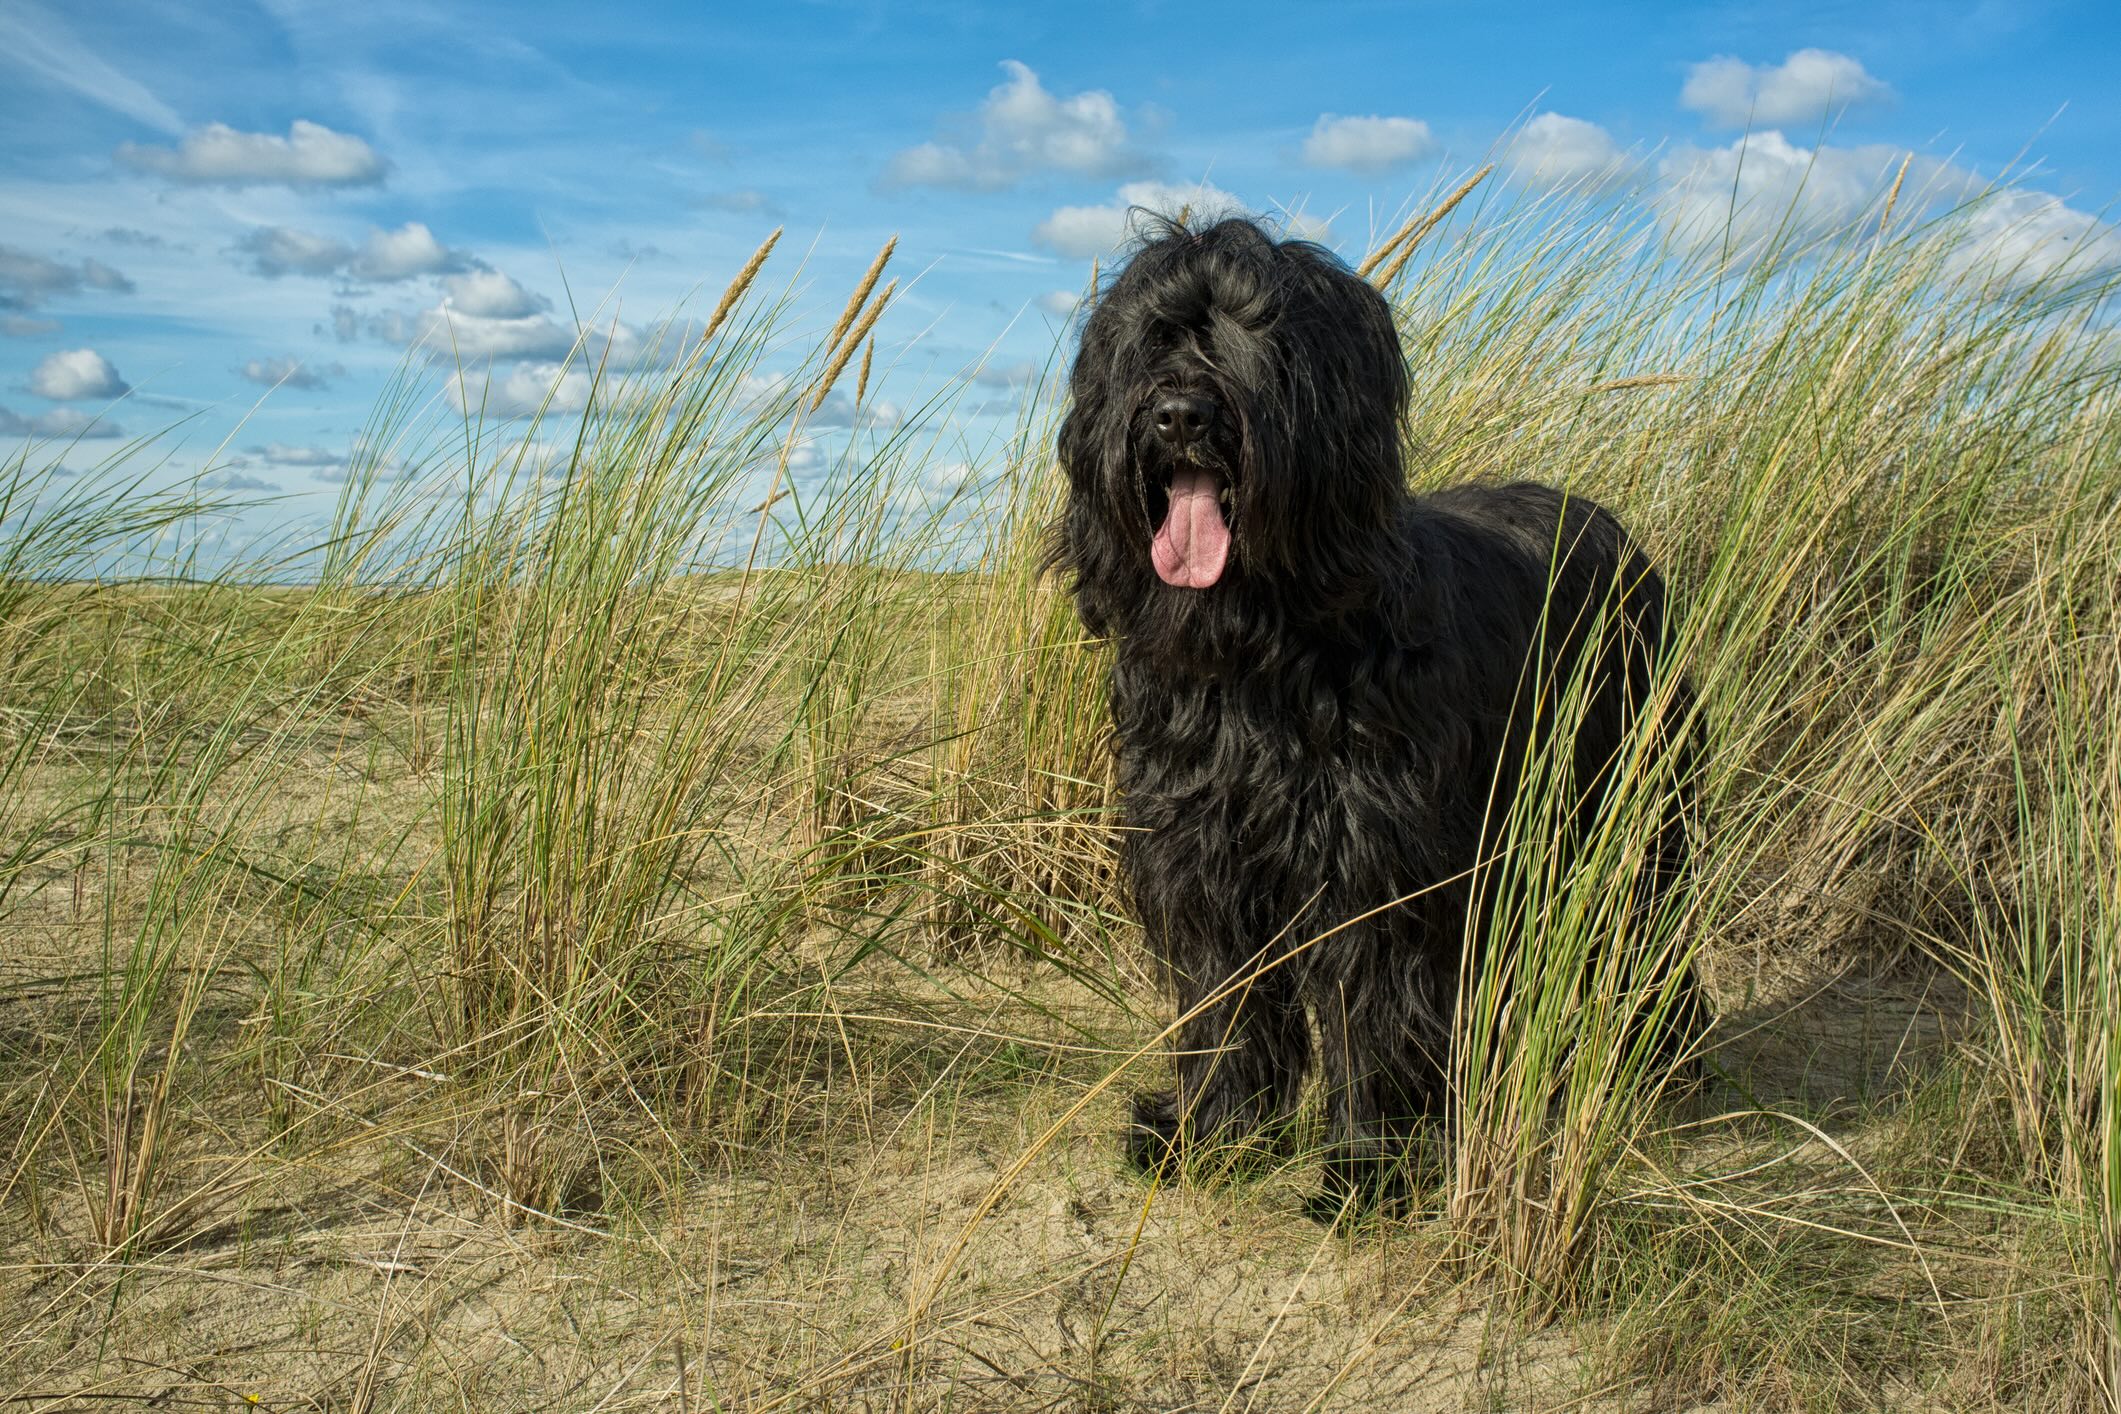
1243, 1047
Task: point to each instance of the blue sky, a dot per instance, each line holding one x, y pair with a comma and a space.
198, 201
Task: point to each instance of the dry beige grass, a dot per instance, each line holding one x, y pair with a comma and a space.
371, 1254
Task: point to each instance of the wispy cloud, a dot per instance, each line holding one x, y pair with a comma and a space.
226, 480
28, 279
328, 466
59, 424
287, 371
128, 235
1013, 373
275, 251
33, 39
745, 201
284, 454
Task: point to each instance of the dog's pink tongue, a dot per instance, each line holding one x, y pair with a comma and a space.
1193, 543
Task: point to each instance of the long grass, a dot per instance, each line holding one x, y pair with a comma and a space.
620, 839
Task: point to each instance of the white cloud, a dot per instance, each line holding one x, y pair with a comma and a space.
60, 423
409, 251
1200, 201
948, 478
28, 279
838, 410
74, 374
452, 335
490, 294
760, 395
1762, 185
383, 257
17, 327
311, 155
776, 395
2025, 238
1022, 129
1018, 374
1368, 145
1059, 303
804, 459
548, 460
525, 389
1804, 88
1084, 231
282, 250
1298, 226
289, 371
1556, 151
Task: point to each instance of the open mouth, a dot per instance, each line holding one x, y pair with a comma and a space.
1191, 546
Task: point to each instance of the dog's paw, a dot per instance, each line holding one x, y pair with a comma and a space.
1332, 1205
1361, 1181
1151, 1140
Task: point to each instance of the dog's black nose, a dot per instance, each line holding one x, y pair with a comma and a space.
1183, 419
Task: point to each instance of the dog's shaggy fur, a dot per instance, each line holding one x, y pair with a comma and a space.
1320, 679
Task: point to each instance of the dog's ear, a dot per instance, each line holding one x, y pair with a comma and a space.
1323, 467
1081, 542
1383, 357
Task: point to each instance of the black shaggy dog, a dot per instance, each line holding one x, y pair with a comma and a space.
1323, 684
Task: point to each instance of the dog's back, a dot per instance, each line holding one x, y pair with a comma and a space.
1584, 586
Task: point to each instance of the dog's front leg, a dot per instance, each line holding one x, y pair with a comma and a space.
1242, 1049
1383, 1068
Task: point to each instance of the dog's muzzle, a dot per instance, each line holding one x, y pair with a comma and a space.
1190, 546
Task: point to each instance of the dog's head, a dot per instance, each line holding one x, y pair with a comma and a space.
1235, 411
